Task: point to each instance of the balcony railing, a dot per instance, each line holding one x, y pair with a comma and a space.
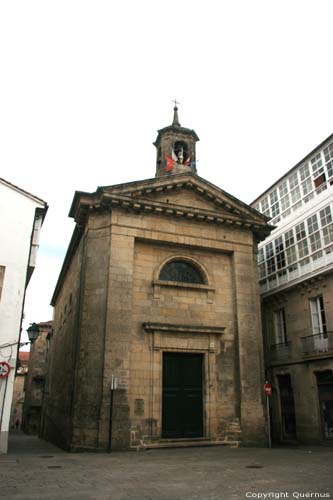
320, 343
280, 352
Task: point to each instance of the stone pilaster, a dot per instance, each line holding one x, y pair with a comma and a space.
249, 347
117, 341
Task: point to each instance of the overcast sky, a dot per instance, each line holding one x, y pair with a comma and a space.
86, 84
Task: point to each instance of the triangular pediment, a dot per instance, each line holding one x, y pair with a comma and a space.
186, 190
185, 195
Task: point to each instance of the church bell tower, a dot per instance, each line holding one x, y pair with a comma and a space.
175, 148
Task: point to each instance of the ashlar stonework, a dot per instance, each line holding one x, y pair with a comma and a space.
186, 356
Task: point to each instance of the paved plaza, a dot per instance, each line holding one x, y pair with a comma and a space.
36, 470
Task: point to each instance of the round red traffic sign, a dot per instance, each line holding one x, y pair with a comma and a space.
4, 369
268, 389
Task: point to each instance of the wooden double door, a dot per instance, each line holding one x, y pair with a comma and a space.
182, 398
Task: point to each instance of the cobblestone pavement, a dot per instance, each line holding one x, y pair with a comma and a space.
35, 470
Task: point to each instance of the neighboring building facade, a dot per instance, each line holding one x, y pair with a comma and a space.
35, 383
21, 217
19, 390
158, 298
296, 283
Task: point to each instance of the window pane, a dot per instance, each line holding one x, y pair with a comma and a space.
280, 327
275, 209
283, 189
293, 181
303, 249
312, 224
295, 195
307, 186
317, 165
291, 254
328, 234
328, 153
179, 270
270, 266
285, 203
273, 197
304, 172
289, 238
315, 241
261, 256
264, 205
269, 250
300, 231
325, 216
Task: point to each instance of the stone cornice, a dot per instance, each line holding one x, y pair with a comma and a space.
172, 183
225, 216
175, 130
175, 328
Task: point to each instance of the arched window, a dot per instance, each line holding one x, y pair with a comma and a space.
181, 151
182, 271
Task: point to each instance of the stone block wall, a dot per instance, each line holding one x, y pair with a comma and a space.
300, 367
114, 282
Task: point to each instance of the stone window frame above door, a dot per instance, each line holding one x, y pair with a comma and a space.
207, 286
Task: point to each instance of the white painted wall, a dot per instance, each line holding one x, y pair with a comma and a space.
17, 215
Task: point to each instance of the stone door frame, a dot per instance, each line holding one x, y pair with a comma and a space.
183, 339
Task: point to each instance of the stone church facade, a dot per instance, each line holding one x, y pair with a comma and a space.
158, 298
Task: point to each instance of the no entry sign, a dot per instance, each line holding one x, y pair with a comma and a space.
268, 389
4, 369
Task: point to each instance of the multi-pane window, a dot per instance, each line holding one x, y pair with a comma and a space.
291, 254
326, 224
273, 197
317, 165
328, 154
307, 242
280, 254
261, 256
293, 181
315, 241
312, 224
289, 238
182, 271
270, 258
303, 249
283, 189
305, 182
300, 231
325, 216
262, 271
295, 195
275, 209
285, 203
265, 206
304, 172
328, 234
307, 186
261, 263
280, 327
318, 316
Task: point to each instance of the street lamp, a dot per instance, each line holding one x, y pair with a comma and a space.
33, 332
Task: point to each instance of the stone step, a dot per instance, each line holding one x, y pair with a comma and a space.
186, 443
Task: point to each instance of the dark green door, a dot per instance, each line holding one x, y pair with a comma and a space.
182, 410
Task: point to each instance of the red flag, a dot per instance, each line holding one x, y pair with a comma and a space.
188, 161
170, 163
